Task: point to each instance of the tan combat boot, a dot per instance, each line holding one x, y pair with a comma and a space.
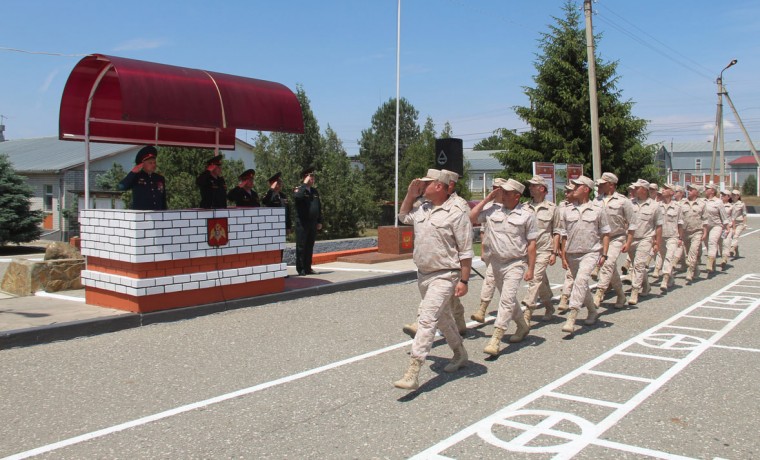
598, 297
522, 330
480, 315
410, 329
656, 273
665, 283
633, 299
710, 264
548, 312
494, 345
689, 274
621, 300
592, 316
646, 288
458, 360
528, 313
409, 380
723, 263
569, 325
563, 306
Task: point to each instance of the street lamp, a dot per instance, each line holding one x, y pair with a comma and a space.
719, 134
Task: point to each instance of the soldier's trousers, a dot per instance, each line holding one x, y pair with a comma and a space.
692, 246
306, 235
668, 253
725, 245
538, 287
567, 286
713, 240
489, 285
508, 275
738, 230
608, 274
640, 249
581, 265
436, 290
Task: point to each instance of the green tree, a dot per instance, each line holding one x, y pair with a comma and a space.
377, 146
18, 223
749, 187
418, 158
110, 179
347, 205
559, 114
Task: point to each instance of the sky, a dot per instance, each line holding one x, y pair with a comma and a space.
465, 62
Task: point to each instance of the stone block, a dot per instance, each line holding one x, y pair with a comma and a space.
25, 277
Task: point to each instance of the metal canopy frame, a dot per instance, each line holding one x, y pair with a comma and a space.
119, 100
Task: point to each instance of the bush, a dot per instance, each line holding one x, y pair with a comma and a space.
750, 186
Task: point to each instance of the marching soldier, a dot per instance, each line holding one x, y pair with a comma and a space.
148, 187
647, 239
488, 287
547, 247
586, 237
511, 232
243, 195
693, 215
672, 236
622, 220
443, 255
212, 186
740, 214
727, 236
567, 286
715, 223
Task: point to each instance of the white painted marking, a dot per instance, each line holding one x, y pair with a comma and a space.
749, 233
645, 356
707, 317
199, 404
726, 347
591, 437
621, 376
583, 399
721, 308
59, 296
692, 328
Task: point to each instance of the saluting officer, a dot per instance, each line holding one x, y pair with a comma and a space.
585, 233
308, 221
276, 198
148, 187
511, 232
212, 186
443, 256
243, 195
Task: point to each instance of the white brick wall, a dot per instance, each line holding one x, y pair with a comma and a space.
166, 284
154, 236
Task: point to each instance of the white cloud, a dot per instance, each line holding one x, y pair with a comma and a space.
140, 44
48, 81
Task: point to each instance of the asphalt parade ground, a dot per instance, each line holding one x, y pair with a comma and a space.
676, 376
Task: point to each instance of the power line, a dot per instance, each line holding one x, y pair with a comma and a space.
16, 50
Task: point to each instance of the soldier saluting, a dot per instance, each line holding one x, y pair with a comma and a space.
244, 196
148, 187
212, 185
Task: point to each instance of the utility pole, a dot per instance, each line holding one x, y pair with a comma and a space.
719, 133
596, 161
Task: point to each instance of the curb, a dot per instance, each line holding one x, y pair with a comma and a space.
90, 327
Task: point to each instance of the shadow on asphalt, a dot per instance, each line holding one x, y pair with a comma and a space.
471, 370
25, 315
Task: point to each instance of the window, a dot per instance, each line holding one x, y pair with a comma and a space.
698, 164
47, 197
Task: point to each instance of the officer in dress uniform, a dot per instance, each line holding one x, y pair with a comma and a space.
308, 221
443, 256
244, 196
148, 187
212, 185
276, 198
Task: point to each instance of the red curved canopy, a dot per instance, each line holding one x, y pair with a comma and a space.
139, 102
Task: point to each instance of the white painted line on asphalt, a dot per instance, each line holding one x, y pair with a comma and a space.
199, 404
583, 399
692, 328
656, 338
737, 348
59, 296
749, 233
708, 318
621, 376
